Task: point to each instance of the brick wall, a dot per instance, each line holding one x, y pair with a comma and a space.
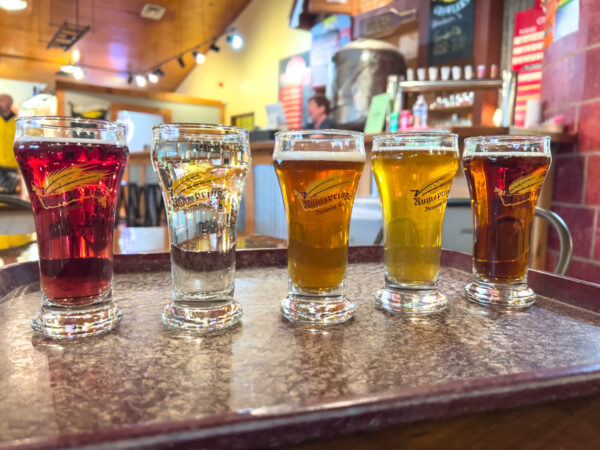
571, 87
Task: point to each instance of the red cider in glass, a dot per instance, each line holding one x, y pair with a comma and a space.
73, 170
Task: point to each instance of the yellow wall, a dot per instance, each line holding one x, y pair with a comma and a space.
249, 76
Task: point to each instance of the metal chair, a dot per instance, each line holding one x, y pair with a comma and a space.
13, 201
564, 235
16, 215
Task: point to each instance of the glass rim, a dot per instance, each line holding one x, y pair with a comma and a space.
197, 128
65, 123
507, 139
415, 135
328, 134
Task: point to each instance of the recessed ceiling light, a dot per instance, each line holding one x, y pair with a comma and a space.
75, 56
152, 12
13, 5
78, 73
68, 68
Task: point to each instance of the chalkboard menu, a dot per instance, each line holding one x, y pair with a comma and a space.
451, 30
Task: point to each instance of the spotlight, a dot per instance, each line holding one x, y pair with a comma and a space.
140, 80
75, 71
158, 72
214, 47
13, 5
180, 61
199, 57
75, 56
236, 41
129, 79
78, 73
152, 78
69, 68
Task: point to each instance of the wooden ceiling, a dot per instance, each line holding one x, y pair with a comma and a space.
120, 40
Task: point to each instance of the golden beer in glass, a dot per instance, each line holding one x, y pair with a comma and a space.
318, 174
505, 175
414, 173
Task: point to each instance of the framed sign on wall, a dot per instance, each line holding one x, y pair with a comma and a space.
451, 24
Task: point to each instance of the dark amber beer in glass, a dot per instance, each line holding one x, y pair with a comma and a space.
414, 174
505, 176
318, 173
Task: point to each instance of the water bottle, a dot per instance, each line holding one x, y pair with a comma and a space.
420, 112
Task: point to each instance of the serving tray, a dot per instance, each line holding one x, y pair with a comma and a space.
267, 383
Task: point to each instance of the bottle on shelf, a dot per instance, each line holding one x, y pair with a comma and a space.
420, 111
404, 119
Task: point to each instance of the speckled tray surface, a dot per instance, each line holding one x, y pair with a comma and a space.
267, 383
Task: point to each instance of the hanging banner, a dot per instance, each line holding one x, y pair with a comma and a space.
294, 88
451, 25
527, 55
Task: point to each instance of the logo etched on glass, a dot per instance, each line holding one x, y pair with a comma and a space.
433, 194
325, 194
198, 187
519, 191
70, 180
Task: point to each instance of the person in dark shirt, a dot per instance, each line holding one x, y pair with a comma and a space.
318, 112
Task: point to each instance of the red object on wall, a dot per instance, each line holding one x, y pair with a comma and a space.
291, 98
571, 88
527, 56
292, 82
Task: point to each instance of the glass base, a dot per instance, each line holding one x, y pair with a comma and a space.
201, 317
503, 296
68, 323
411, 301
317, 310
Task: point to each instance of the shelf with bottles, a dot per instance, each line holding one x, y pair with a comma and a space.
458, 103
450, 85
442, 110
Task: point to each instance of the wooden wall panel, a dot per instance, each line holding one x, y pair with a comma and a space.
120, 40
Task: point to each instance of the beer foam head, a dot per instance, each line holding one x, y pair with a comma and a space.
503, 146
65, 140
507, 154
320, 156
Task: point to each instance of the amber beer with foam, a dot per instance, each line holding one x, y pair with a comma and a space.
318, 172
413, 185
318, 191
504, 191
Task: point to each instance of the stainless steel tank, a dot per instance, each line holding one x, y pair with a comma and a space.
361, 71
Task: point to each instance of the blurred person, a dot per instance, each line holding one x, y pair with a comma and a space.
318, 113
9, 173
